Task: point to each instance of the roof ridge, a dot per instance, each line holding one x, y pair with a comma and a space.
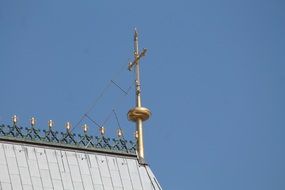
67, 139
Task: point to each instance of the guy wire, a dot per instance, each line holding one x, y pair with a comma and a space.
117, 104
117, 119
100, 96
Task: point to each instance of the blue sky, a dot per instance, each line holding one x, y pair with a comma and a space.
214, 78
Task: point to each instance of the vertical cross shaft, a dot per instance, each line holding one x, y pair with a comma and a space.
139, 113
137, 66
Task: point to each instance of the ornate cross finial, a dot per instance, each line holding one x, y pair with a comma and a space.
138, 114
137, 55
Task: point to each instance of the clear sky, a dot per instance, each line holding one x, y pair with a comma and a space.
214, 78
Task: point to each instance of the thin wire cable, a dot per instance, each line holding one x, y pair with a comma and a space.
110, 114
117, 119
93, 121
126, 93
119, 86
105, 89
93, 105
116, 105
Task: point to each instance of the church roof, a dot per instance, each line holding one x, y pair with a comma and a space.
35, 159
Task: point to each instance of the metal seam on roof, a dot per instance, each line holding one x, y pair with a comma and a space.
16, 160
78, 162
50, 168
152, 177
119, 171
38, 166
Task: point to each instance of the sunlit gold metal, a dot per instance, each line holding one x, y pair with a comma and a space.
50, 123
68, 126
33, 121
102, 130
85, 128
120, 133
14, 119
139, 113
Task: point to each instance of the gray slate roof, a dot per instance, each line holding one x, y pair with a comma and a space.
36, 167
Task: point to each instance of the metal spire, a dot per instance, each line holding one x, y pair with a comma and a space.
138, 114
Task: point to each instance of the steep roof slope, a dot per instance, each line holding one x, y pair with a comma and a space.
35, 166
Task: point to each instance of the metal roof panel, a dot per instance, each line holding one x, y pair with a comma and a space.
27, 166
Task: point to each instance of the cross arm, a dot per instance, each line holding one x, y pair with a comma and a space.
142, 54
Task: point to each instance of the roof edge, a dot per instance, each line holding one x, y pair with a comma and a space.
63, 147
67, 140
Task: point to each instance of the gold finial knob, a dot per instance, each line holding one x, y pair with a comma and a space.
33, 121
120, 133
136, 134
68, 126
139, 113
102, 130
14, 119
85, 128
50, 123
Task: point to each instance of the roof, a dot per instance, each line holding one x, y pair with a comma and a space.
67, 139
29, 162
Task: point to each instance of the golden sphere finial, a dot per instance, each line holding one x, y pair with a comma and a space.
14, 119
33, 121
85, 128
120, 133
50, 123
68, 126
102, 130
136, 134
139, 113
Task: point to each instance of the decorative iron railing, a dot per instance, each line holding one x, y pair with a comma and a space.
67, 139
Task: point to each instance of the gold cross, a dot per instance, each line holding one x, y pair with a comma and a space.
137, 55
138, 114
